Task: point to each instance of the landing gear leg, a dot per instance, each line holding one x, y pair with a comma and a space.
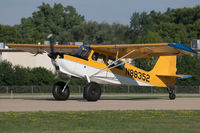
171, 91
61, 91
92, 92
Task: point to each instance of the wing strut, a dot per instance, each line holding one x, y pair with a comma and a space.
122, 62
117, 54
113, 63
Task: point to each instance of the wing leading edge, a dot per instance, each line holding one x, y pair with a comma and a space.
35, 48
145, 50
140, 50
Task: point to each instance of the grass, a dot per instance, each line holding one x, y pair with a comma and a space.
101, 122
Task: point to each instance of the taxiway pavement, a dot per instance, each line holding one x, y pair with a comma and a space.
104, 104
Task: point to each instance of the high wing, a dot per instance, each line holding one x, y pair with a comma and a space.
145, 50
39, 49
134, 50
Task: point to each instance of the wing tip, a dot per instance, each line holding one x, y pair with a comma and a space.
182, 47
185, 77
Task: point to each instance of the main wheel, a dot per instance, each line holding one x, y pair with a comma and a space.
172, 96
58, 92
92, 92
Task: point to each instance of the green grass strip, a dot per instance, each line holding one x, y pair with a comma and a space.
150, 121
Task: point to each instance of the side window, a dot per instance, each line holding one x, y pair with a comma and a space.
83, 52
99, 57
119, 64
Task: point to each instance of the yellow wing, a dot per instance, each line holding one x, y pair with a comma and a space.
35, 48
145, 50
140, 50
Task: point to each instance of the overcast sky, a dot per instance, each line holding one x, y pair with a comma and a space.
11, 11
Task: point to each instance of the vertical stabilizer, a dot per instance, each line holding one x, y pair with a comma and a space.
165, 69
166, 66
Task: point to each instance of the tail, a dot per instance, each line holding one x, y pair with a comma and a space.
165, 69
165, 66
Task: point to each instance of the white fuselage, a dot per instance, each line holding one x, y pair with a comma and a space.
76, 69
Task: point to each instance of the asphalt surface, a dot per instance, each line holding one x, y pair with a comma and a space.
138, 103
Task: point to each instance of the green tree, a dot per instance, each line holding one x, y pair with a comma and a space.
189, 65
55, 20
150, 37
171, 32
197, 27
9, 33
98, 33
6, 73
22, 76
140, 23
41, 76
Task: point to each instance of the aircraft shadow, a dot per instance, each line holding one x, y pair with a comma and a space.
134, 99
103, 99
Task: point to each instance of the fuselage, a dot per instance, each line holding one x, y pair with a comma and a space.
100, 71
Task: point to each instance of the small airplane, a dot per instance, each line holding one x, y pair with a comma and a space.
104, 64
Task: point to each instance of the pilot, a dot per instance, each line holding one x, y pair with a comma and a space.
95, 56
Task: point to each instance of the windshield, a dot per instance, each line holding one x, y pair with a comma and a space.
83, 52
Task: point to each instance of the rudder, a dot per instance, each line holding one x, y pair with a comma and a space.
165, 69
166, 65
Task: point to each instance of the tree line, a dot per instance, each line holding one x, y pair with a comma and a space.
25, 76
67, 25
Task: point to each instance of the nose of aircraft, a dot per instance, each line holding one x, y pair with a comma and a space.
66, 67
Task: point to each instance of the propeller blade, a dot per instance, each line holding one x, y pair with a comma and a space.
52, 48
52, 56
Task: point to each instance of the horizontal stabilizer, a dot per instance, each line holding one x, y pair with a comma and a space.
179, 76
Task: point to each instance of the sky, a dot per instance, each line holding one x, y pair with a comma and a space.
110, 11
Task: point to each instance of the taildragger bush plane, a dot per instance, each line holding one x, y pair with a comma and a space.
103, 64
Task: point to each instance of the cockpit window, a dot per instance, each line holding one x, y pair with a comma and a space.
83, 52
99, 57
112, 62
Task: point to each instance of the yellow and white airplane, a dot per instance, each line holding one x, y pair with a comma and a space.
103, 64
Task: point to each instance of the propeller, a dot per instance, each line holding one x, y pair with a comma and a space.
52, 47
52, 54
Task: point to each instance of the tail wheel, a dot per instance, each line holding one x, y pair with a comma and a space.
92, 92
171, 91
59, 92
172, 96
